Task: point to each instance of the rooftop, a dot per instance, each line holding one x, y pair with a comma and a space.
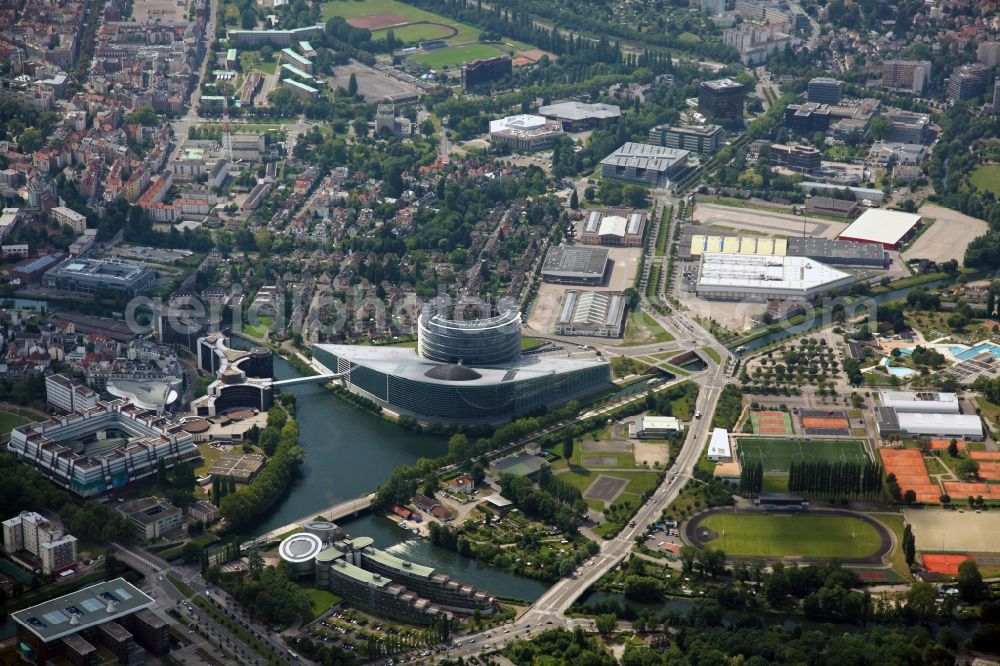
87, 607
519, 464
588, 261
580, 111
645, 156
722, 84
882, 226
766, 272
394, 562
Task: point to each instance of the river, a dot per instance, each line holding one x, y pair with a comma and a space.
348, 452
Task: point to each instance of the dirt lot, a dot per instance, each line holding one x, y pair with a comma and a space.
651, 453
159, 11
545, 311
954, 532
590, 462
371, 85
731, 219
606, 447
948, 237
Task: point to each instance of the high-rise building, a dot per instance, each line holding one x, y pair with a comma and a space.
996, 96
701, 139
825, 90
713, 7
988, 54
909, 75
479, 72
32, 533
722, 98
968, 81
68, 396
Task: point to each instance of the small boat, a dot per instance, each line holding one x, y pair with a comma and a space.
403, 525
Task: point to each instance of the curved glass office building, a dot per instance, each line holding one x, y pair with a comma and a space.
463, 372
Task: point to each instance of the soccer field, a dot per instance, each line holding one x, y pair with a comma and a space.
457, 55
770, 535
777, 455
360, 8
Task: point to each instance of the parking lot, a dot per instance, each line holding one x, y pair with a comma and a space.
667, 540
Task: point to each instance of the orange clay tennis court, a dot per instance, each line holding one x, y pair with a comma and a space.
958, 490
943, 444
911, 473
984, 455
824, 422
943, 563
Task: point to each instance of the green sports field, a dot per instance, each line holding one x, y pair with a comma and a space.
10, 421
417, 32
457, 55
777, 455
358, 8
986, 177
775, 535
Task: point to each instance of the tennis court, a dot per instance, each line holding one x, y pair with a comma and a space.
832, 423
982, 455
943, 563
943, 444
771, 423
777, 455
911, 473
938, 531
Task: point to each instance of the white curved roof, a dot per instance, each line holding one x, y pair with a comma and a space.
300, 547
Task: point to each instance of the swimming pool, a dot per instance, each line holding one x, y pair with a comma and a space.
979, 349
900, 372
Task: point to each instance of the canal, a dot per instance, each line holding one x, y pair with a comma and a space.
348, 452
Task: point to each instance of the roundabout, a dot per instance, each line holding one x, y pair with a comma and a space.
799, 536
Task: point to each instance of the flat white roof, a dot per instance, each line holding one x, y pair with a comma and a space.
924, 401
580, 110
613, 225
659, 423
879, 225
718, 446
918, 423
523, 121
767, 273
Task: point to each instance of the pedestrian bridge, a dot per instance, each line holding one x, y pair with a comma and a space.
311, 379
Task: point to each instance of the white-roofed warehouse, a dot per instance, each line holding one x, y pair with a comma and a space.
731, 277
597, 313
879, 225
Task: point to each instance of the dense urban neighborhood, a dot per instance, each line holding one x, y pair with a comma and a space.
395, 331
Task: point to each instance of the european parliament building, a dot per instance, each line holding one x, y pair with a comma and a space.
464, 371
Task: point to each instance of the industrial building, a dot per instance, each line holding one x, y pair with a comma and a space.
824, 90
579, 117
890, 228
50, 550
891, 421
67, 396
464, 371
653, 427
762, 278
103, 448
575, 265
479, 72
845, 208
722, 98
838, 252
644, 163
930, 402
615, 227
114, 615
700, 139
93, 276
594, 313
526, 133
152, 517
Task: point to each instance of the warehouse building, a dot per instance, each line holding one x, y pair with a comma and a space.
699, 244
734, 277
889, 228
829, 206
838, 252
579, 117
929, 402
644, 163
890, 421
863, 194
92, 276
595, 313
617, 227
576, 265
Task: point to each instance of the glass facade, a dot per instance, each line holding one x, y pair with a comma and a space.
475, 343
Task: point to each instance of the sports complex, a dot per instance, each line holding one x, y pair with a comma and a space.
777, 455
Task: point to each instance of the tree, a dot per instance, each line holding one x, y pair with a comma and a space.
968, 469
910, 496
970, 582
909, 545
574, 200
266, 53
567, 446
457, 446
880, 127
30, 141
352, 85
953, 448
920, 600
606, 624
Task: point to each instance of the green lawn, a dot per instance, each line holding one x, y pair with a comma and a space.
776, 535
641, 329
455, 56
986, 177
777, 455
210, 455
712, 354
416, 33
357, 8
531, 343
9, 421
181, 586
321, 599
264, 324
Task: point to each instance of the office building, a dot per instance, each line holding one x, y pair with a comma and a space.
614, 227
152, 517
95, 276
104, 448
464, 370
214, 354
69, 217
480, 72
300, 90
644, 163
65, 395
578, 117
824, 90
300, 62
722, 98
762, 278
889, 228
906, 75
593, 313
386, 121
575, 265
713, 7
807, 118
804, 159
252, 40
996, 97
50, 549
525, 132
968, 81
908, 127
69, 628
700, 139
988, 53
883, 154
